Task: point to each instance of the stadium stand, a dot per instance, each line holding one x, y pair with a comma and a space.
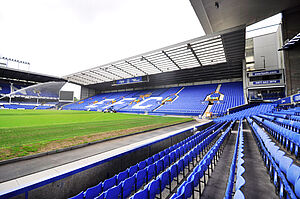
233, 96
155, 174
165, 101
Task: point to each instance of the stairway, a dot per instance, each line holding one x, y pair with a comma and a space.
207, 111
218, 88
162, 103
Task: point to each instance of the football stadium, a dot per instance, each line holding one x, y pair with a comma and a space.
216, 116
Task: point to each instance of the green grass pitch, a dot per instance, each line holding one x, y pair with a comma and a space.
25, 132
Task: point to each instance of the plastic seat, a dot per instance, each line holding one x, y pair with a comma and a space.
132, 170
180, 165
293, 174
128, 186
161, 154
142, 165
172, 157
101, 196
159, 166
141, 178
278, 156
78, 196
166, 160
188, 189
297, 188
143, 194
173, 171
285, 164
114, 192
156, 157
153, 189
94, 191
177, 152
151, 171
109, 183
164, 179
239, 195
149, 161
122, 176
239, 182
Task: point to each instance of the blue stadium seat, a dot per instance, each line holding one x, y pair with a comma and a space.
114, 192
142, 164
149, 161
164, 179
293, 174
285, 163
141, 178
122, 176
128, 186
159, 166
92, 192
154, 189
133, 169
109, 183
151, 171
142, 194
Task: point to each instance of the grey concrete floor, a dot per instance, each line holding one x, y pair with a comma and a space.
217, 183
26, 167
258, 183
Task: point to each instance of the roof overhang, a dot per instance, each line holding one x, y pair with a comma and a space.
214, 49
219, 15
11, 74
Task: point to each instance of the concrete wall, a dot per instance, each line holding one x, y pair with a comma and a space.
265, 49
290, 28
73, 184
86, 92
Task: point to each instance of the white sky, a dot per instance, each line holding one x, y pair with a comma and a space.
59, 37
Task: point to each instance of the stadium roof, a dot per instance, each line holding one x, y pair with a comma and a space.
220, 15
199, 52
11, 74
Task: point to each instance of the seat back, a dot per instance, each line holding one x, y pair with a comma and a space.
132, 170
142, 165
153, 189
141, 178
92, 192
109, 183
122, 176
114, 192
128, 186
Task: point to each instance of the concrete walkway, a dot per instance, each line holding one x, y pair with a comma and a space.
258, 183
26, 167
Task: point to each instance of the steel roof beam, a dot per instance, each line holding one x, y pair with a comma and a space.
144, 58
171, 59
195, 55
136, 67
122, 70
92, 71
111, 73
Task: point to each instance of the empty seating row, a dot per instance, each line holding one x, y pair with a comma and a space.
230, 183
165, 179
153, 165
240, 181
284, 174
168, 171
287, 138
187, 189
286, 123
262, 108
